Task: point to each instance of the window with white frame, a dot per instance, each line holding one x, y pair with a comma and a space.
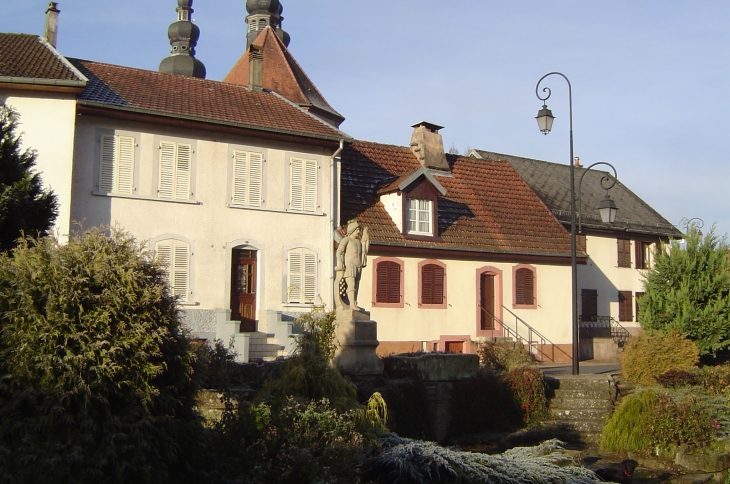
176, 164
302, 276
116, 174
174, 254
418, 217
248, 168
303, 185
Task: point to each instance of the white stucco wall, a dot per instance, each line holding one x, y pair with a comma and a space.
47, 123
211, 226
551, 317
603, 274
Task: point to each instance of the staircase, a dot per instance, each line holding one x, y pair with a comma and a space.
581, 404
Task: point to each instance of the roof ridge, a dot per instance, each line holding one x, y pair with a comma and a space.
306, 112
62, 58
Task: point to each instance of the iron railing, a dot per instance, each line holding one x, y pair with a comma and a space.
604, 327
537, 344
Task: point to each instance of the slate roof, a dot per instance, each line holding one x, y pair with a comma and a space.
282, 74
551, 182
31, 57
488, 208
186, 97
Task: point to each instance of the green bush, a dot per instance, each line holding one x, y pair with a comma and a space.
677, 422
715, 379
504, 356
628, 427
650, 355
528, 390
97, 376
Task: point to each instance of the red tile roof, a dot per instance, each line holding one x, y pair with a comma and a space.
282, 74
24, 55
487, 207
192, 98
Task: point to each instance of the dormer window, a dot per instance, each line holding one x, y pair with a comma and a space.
418, 217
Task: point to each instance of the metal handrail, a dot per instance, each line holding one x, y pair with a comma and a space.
605, 326
535, 340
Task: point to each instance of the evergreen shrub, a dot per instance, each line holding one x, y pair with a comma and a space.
627, 429
504, 356
676, 421
715, 379
528, 391
650, 355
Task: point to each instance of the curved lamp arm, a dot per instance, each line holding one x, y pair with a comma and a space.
606, 183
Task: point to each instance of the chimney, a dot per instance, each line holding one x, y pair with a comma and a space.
256, 66
51, 32
428, 146
576, 161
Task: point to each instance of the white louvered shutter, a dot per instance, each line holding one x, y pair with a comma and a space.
310, 276
247, 178
296, 200
310, 186
175, 258
183, 169
117, 164
166, 186
294, 286
108, 153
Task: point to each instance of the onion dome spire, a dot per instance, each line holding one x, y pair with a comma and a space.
262, 14
184, 35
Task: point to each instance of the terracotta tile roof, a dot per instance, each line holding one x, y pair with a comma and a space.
28, 56
282, 74
192, 98
551, 182
487, 208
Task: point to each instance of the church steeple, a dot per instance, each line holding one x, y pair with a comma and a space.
263, 13
184, 35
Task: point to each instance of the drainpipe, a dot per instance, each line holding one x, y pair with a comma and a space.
334, 184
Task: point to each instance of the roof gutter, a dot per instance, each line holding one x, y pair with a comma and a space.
202, 119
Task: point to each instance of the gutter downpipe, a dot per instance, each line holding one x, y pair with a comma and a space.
334, 192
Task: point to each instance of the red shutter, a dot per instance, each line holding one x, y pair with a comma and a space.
388, 282
639, 254
625, 306
624, 252
432, 284
524, 286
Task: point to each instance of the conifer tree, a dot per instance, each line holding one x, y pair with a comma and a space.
689, 290
25, 207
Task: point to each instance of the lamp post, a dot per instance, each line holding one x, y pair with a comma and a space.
607, 207
695, 222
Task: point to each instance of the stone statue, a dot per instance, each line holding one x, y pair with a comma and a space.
352, 256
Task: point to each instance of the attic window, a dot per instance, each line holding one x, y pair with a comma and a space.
418, 217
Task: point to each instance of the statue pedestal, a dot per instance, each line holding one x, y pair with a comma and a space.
357, 335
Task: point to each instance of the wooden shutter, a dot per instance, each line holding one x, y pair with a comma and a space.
310, 186
639, 254
589, 304
296, 184
166, 186
247, 178
310, 276
183, 170
175, 256
294, 285
388, 282
625, 306
524, 286
117, 164
432, 284
624, 252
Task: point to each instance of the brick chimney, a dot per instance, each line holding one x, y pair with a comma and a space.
428, 146
51, 30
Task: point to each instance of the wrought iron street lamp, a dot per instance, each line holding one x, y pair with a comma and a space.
607, 207
695, 222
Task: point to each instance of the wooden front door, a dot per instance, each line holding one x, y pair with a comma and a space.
486, 301
243, 288
456, 347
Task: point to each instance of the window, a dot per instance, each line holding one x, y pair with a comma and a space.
175, 254
303, 185
432, 284
117, 164
589, 305
247, 186
624, 252
625, 306
388, 282
639, 295
643, 254
418, 217
302, 276
524, 289
176, 160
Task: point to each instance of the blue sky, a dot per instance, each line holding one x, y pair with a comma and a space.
650, 79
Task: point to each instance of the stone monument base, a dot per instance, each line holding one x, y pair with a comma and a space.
357, 335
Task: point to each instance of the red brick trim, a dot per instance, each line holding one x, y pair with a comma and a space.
514, 286
420, 284
498, 295
375, 263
